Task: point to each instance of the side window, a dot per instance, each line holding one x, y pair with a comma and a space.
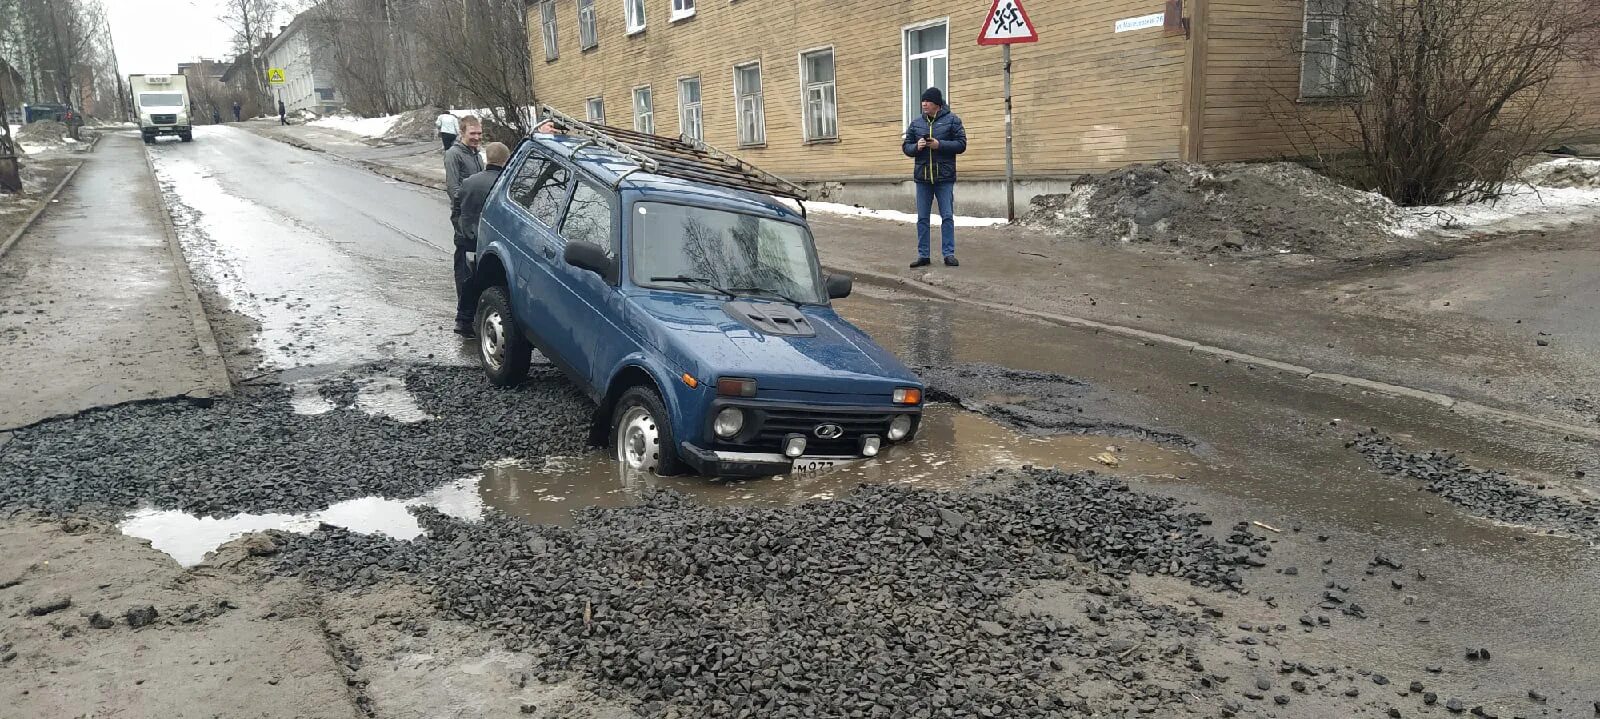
589, 219
551, 194
525, 183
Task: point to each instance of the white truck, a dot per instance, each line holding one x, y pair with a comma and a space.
162, 102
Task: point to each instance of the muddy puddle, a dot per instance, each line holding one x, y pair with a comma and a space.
951, 445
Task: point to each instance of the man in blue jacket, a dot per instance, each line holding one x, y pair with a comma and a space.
934, 139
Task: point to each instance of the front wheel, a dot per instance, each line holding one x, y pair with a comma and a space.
502, 349
641, 432
186, 137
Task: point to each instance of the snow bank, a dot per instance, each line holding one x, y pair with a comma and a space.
363, 126
833, 208
1551, 194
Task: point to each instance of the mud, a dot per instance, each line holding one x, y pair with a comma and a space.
1243, 209
1035, 402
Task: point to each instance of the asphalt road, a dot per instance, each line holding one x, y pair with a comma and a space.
327, 265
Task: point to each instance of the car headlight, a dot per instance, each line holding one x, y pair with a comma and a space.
899, 427
729, 422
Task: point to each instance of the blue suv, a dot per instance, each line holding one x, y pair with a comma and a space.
687, 301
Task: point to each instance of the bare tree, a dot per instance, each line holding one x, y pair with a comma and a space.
480, 48
1433, 101
251, 21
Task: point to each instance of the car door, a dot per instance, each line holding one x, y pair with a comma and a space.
600, 330
539, 192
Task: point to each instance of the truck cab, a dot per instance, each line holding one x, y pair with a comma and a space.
162, 103
687, 302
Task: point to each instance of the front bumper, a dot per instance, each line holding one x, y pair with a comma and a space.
722, 463
154, 130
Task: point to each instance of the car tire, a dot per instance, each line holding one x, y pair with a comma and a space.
148, 140
187, 138
502, 349
641, 434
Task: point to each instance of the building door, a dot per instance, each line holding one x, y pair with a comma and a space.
927, 64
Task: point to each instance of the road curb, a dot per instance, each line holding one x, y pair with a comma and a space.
28, 221
205, 334
1453, 404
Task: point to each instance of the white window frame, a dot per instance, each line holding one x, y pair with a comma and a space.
806, 83
547, 25
905, 64
759, 106
589, 109
588, 26
644, 122
1338, 87
634, 12
698, 107
682, 10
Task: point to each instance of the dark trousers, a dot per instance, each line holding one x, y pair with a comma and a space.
448, 139
283, 118
466, 300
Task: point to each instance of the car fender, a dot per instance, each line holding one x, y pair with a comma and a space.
673, 391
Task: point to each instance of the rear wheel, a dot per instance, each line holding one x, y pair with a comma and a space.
149, 140
187, 137
502, 349
641, 432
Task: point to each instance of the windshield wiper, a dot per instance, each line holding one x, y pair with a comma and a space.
767, 291
695, 281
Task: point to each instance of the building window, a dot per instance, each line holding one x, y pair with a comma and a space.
643, 111
588, 35
752, 110
689, 117
821, 105
682, 9
596, 108
324, 93
634, 10
547, 10
1323, 72
927, 65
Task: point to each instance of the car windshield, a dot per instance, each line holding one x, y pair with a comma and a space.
705, 250
160, 99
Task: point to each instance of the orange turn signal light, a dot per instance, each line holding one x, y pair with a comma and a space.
909, 395
689, 379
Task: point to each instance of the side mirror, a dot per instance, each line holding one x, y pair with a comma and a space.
839, 286
591, 257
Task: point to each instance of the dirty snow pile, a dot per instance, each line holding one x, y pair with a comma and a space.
1237, 207
1547, 195
415, 124
42, 136
363, 126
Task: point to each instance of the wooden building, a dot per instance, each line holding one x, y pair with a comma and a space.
820, 91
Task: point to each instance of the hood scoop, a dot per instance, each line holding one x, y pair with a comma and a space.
771, 318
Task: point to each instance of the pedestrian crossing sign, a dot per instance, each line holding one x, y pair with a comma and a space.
275, 76
1008, 23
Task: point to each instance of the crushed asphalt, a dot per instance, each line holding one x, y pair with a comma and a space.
1035, 402
251, 452
890, 601
1486, 493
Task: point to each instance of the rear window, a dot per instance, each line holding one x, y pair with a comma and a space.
161, 99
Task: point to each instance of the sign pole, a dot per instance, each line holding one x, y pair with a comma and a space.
1011, 195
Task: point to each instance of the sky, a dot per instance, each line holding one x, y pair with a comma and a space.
153, 36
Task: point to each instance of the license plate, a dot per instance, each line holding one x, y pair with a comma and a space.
809, 465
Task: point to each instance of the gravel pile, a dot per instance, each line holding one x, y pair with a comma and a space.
416, 124
1486, 493
1035, 402
1250, 209
251, 453
888, 601
44, 132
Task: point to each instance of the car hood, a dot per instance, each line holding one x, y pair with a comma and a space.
696, 332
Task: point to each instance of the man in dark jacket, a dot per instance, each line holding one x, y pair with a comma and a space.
461, 162
235, 111
470, 199
934, 139
283, 114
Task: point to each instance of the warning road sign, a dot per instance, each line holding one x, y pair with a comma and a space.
1008, 23
275, 76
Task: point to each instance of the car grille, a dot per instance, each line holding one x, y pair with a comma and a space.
774, 424
164, 119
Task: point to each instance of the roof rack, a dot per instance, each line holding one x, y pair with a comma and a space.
682, 157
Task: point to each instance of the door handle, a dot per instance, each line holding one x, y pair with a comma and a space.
549, 252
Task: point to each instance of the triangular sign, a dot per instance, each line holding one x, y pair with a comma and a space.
1007, 23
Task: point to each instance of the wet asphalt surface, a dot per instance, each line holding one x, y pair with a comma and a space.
1246, 559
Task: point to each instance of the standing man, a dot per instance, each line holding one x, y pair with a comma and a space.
934, 139
449, 128
461, 161
283, 114
470, 198
235, 110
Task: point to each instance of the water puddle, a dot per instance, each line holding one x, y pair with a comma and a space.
188, 538
952, 445
306, 398
388, 397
